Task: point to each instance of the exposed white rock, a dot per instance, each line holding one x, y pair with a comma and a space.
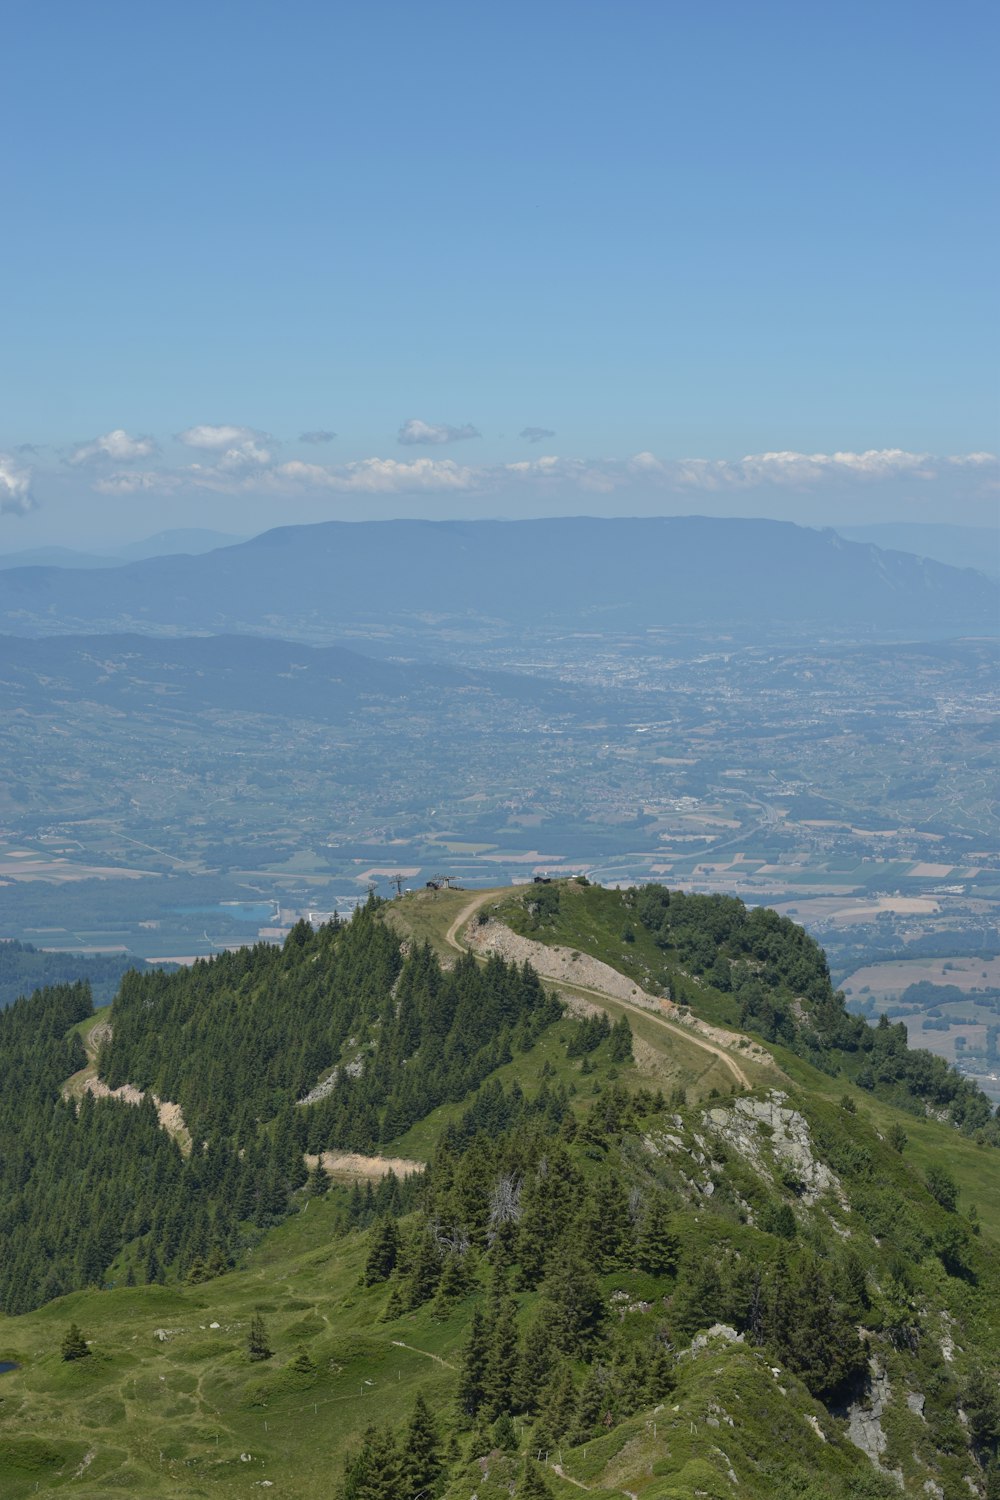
785, 1134
717, 1331
864, 1421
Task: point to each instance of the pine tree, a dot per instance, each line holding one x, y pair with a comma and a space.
375, 1472
383, 1251
698, 1301
318, 1183
605, 1223
981, 1404
572, 1303
532, 1485
501, 1363
422, 1466
472, 1376
74, 1345
258, 1345
558, 1404
621, 1041
656, 1245
533, 1367
456, 1279
504, 1435
594, 1406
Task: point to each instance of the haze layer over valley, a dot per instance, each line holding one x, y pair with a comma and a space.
729, 709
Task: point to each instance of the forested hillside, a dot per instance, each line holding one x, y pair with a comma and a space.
92, 1190
784, 1289
24, 968
760, 972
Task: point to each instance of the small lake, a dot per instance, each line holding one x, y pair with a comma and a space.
6, 1365
239, 911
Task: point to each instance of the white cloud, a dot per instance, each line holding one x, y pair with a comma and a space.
15, 487
212, 438
790, 470
382, 476
235, 460
116, 446
239, 449
413, 431
247, 468
137, 481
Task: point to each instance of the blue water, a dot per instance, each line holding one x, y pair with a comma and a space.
240, 911
6, 1365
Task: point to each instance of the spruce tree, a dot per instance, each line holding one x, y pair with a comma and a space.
698, 1301
422, 1467
572, 1303
456, 1279
375, 1472
258, 1344
558, 1404
656, 1244
605, 1223
504, 1435
621, 1041
472, 1375
425, 1273
502, 1358
594, 1405
318, 1183
74, 1345
532, 1485
981, 1404
383, 1251
533, 1367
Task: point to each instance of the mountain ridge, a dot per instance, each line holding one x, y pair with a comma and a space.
780, 1287
312, 580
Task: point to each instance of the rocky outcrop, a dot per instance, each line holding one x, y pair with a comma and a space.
864, 1421
761, 1128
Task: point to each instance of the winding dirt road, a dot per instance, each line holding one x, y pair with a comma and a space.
687, 1034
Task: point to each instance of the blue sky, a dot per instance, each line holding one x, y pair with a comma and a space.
618, 237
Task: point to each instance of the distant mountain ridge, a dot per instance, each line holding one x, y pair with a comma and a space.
959, 546
586, 573
191, 540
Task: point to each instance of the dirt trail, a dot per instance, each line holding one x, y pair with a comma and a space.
559, 965
451, 936
398, 1344
351, 1164
170, 1116
87, 1081
558, 1469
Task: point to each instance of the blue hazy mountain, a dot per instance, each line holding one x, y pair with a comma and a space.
959, 546
578, 573
191, 540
